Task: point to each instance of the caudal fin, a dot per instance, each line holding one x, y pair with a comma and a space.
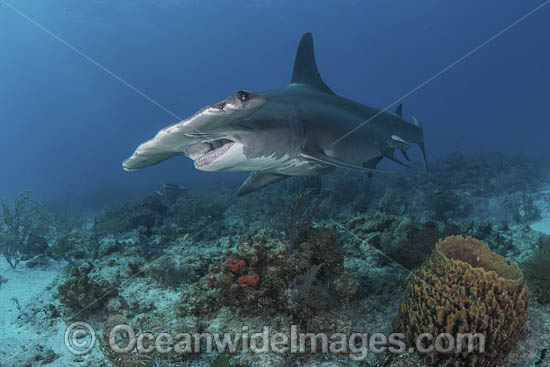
421, 144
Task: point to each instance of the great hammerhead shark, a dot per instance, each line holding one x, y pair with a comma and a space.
303, 129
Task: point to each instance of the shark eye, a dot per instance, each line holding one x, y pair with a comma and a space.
242, 95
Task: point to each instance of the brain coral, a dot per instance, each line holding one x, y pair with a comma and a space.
465, 288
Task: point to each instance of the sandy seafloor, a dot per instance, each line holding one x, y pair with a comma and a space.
29, 337
24, 342
543, 225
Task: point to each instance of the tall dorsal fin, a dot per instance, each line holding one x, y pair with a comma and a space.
399, 110
305, 68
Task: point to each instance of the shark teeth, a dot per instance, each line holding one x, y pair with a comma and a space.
212, 155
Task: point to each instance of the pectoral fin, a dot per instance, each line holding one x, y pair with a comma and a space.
323, 158
371, 164
257, 180
404, 152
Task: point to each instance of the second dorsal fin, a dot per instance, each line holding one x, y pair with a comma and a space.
305, 68
399, 110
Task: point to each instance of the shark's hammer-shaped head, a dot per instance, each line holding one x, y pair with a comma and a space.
202, 137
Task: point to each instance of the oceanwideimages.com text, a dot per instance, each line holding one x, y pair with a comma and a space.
123, 339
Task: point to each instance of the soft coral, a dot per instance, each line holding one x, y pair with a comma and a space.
249, 280
236, 264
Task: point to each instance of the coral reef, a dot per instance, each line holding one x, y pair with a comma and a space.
537, 270
195, 214
488, 186
298, 184
400, 239
170, 193
198, 300
170, 273
446, 204
82, 294
251, 281
23, 227
296, 217
263, 279
66, 246
465, 288
143, 215
129, 359
327, 258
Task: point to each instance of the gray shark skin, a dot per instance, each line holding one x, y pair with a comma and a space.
302, 129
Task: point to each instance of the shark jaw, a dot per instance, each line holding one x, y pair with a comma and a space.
219, 155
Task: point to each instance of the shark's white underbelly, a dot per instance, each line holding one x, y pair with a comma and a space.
234, 160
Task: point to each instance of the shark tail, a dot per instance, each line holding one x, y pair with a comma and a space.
421, 145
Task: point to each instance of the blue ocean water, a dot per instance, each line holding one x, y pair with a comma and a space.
171, 248
67, 124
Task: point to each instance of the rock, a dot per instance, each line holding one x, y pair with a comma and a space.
108, 248
37, 356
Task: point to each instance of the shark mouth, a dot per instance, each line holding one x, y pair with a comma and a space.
214, 150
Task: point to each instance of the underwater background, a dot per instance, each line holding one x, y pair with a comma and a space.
82, 83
